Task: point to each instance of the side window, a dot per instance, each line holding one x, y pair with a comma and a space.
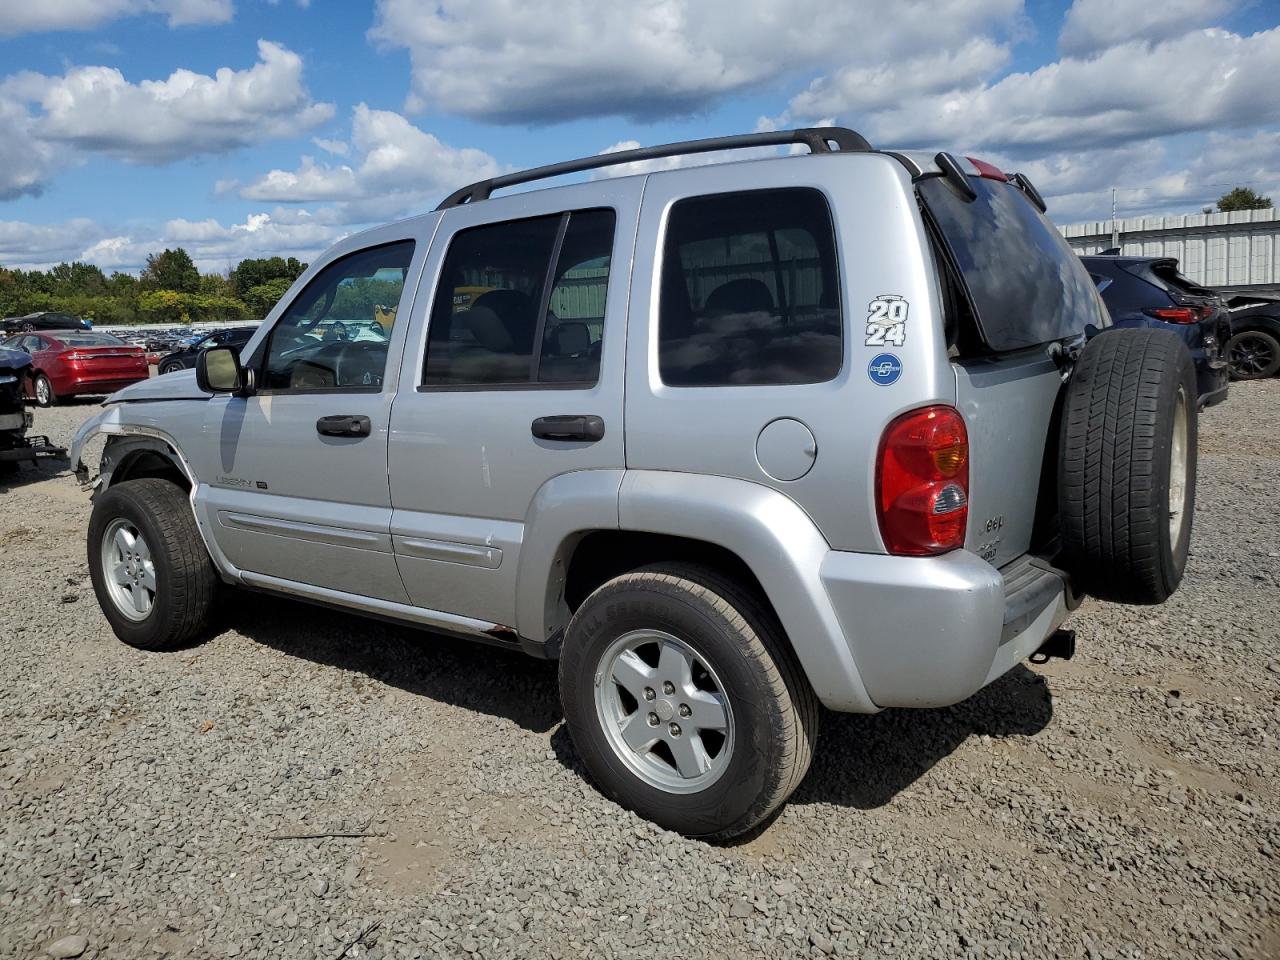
504, 316
330, 337
750, 291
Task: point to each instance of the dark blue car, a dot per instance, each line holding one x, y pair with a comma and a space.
1150, 292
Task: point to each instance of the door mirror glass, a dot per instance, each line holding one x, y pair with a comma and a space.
218, 370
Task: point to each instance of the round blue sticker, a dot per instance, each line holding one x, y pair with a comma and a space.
884, 369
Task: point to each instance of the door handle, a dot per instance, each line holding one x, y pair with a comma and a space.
574, 426
343, 426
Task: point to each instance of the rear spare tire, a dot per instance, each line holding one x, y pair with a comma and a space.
1127, 466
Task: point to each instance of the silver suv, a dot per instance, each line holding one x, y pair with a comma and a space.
843, 429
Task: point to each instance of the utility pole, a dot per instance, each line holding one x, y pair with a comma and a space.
1115, 226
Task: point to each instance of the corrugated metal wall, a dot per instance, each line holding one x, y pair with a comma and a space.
1215, 249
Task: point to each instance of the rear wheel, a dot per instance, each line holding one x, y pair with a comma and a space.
150, 571
1127, 467
1253, 355
43, 389
684, 701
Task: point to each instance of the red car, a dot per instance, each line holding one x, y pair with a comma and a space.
68, 363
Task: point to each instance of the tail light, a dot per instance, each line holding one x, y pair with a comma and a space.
1179, 314
988, 170
922, 482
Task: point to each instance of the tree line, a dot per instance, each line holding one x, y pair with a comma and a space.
170, 289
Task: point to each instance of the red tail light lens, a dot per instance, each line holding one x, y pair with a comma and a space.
988, 170
922, 482
1178, 314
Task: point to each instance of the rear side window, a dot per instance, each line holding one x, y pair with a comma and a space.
750, 291
522, 303
1025, 284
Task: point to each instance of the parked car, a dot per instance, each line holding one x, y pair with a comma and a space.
1253, 351
43, 320
1149, 292
71, 363
731, 442
185, 357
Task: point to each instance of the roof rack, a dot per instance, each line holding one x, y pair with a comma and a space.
817, 139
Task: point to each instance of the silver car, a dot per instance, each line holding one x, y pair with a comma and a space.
845, 429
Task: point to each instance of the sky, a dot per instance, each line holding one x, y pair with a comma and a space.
243, 128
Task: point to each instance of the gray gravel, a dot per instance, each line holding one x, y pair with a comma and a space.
1120, 805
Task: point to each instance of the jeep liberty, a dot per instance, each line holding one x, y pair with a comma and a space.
844, 428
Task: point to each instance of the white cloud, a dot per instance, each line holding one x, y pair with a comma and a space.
26, 163
157, 121
1094, 25
397, 168
1207, 80
875, 85
213, 245
29, 16
538, 61
339, 148
38, 244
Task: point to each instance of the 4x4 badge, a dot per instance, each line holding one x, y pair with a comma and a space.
884, 369
887, 321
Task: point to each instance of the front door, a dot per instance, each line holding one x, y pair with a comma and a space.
294, 477
526, 325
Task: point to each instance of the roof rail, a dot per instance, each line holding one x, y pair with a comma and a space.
817, 139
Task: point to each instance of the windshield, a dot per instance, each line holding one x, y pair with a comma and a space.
1025, 284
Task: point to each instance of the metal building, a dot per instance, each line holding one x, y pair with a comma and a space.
1237, 251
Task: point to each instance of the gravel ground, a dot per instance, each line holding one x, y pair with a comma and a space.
1124, 804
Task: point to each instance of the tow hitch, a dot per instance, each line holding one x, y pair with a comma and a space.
1059, 645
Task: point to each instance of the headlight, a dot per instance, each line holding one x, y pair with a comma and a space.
8, 378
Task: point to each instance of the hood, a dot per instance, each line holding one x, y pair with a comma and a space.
172, 386
14, 359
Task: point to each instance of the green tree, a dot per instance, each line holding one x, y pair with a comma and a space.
255, 272
261, 298
1242, 198
171, 270
71, 279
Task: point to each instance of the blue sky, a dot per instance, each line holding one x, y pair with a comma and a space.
248, 127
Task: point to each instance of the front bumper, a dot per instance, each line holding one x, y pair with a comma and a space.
931, 631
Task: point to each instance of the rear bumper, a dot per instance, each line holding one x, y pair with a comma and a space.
931, 631
74, 386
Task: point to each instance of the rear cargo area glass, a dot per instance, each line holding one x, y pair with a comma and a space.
1025, 284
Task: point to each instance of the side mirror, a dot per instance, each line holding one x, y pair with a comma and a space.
218, 370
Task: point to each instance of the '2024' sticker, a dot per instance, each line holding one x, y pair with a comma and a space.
887, 321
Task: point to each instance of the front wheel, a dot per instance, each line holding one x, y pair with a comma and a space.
150, 571
684, 701
1253, 355
172, 367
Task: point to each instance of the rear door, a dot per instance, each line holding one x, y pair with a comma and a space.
1014, 288
522, 320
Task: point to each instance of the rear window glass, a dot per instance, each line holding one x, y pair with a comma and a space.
750, 292
90, 340
1026, 285
1166, 275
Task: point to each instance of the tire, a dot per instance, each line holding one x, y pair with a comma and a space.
1253, 355
770, 711
1127, 466
182, 576
171, 368
43, 390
